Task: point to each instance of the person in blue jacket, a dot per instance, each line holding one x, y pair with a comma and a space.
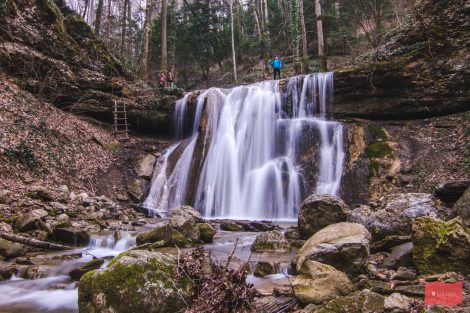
276, 64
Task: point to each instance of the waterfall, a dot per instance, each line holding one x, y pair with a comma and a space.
241, 159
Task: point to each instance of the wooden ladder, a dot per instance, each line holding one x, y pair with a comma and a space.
120, 126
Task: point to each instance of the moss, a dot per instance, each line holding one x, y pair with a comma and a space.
131, 284
379, 150
52, 13
377, 133
434, 242
358, 302
165, 233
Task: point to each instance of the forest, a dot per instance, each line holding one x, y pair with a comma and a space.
239, 156
223, 43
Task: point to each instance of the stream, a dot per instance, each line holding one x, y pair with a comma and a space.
52, 289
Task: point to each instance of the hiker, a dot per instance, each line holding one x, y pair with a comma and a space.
171, 80
276, 64
162, 80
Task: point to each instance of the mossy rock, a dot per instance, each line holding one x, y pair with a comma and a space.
206, 232
166, 234
270, 241
440, 247
135, 281
358, 302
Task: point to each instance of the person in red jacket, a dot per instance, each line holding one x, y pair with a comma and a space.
162, 80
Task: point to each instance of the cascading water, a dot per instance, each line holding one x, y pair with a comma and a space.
243, 150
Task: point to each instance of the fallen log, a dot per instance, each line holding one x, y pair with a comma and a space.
33, 242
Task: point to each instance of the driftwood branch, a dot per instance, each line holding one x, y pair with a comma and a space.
33, 242
231, 254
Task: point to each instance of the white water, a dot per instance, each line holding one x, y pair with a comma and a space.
54, 291
251, 147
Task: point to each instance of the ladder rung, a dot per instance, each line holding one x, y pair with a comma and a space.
119, 125
121, 118
121, 131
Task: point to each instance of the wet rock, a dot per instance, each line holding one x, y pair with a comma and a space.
206, 232
71, 235
137, 189
401, 255
29, 220
78, 272
462, 207
292, 233
165, 235
397, 303
230, 226
450, 192
11, 249
135, 281
264, 268
319, 211
145, 166
440, 246
319, 282
395, 214
344, 246
364, 301
41, 193
256, 226
270, 241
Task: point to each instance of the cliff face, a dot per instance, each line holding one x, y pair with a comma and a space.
50, 51
423, 70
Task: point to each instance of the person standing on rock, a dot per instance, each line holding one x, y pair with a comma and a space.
276, 64
163, 80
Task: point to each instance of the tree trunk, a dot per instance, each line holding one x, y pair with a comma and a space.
234, 60
266, 24
320, 39
99, 13
33, 242
303, 34
108, 26
130, 49
85, 9
164, 43
144, 70
256, 16
337, 5
123, 28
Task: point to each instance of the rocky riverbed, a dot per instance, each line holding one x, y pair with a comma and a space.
372, 258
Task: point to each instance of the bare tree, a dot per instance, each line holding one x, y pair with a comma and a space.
233, 44
303, 34
108, 25
320, 39
164, 43
99, 13
144, 72
123, 27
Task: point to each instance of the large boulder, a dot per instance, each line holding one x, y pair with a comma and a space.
440, 246
145, 167
10, 249
462, 207
364, 301
165, 236
320, 282
206, 232
135, 281
184, 220
40, 192
395, 213
343, 245
29, 220
272, 240
71, 235
319, 211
